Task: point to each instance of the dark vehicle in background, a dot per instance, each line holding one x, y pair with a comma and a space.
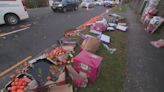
65, 5
108, 3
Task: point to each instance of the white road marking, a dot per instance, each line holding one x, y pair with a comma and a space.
107, 10
9, 33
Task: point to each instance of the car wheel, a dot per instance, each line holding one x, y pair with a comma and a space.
54, 10
76, 8
64, 10
11, 19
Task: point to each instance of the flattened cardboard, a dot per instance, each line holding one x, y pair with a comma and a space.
122, 28
105, 38
63, 88
68, 47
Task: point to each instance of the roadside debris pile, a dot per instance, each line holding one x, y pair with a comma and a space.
150, 20
62, 67
154, 23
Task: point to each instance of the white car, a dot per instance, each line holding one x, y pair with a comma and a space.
87, 3
99, 2
108, 3
12, 11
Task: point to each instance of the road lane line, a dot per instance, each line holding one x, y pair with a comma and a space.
5, 34
16, 65
106, 11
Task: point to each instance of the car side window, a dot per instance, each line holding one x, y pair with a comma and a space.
69, 0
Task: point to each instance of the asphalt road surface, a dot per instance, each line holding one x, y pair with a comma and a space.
47, 27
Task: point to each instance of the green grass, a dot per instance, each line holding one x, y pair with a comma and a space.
159, 33
112, 75
119, 9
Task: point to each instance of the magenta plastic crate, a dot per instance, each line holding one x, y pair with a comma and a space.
88, 63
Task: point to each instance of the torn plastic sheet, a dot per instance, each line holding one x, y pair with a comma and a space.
96, 32
110, 29
158, 43
112, 24
111, 50
122, 24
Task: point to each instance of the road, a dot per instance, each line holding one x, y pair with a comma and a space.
47, 27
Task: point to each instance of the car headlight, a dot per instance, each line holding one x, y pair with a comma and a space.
60, 5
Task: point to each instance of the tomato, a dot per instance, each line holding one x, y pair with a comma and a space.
24, 84
13, 88
16, 80
20, 90
14, 91
21, 87
12, 84
20, 83
16, 83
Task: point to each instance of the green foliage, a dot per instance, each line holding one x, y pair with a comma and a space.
36, 3
120, 9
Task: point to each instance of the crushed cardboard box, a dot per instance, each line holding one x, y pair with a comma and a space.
91, 44
63, 88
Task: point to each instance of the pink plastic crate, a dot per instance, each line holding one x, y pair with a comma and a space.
88, 63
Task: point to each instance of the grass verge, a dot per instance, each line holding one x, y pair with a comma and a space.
119, 9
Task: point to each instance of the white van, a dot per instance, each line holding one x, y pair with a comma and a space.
12, 11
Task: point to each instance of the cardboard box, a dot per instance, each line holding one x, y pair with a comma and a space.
122, 28
88, 63
91, 44
63, 88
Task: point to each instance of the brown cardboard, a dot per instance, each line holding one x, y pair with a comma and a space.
91, 44
68, 47
63, 88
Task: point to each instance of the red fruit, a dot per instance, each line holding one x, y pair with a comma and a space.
24, 84
12, 84
14, 91
20, 90
49, 78
16, 80
20, 83
23, 80
21, 87
13, 88
16, 83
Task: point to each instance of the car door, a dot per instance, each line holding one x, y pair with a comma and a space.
69, 4
74, 4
